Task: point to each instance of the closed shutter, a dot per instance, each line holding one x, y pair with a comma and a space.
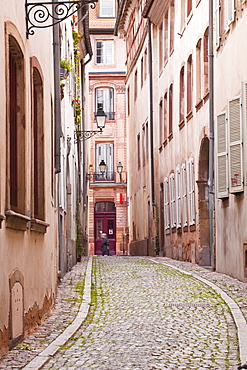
166, 204
229, 12
191, 192
217, 22
184, 195
235, 145
244, 125
172, 200
178, 196
222, 156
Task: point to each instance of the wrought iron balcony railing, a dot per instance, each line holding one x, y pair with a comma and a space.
114, 177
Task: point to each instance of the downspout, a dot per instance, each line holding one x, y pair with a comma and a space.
151, 109
211, 136
57, 127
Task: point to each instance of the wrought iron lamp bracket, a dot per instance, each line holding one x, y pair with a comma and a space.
84, 135
48, 13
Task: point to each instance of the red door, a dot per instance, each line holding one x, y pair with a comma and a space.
105, 222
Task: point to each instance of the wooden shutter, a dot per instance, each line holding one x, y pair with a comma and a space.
235, 145
217, 22
222, 185
229, 12
184, 195
191, 191
244, 125
166, 204
172, 200
178, 196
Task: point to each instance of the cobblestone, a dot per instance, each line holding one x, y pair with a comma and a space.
144, 316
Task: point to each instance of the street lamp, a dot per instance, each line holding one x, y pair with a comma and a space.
102, 166
100, 117
120, 170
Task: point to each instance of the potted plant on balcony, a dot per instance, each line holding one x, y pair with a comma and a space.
65, 68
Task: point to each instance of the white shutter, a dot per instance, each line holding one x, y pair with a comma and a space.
172, 200
178, 196
244, 125
235, 145
184, 195
217, 22
166, 204
191, 191
222, 156
229, 12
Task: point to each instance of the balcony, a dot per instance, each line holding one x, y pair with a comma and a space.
110, 177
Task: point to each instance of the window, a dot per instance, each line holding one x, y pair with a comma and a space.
16, 128
172, 21
105, 151
138, 152
181, 96
147, 141
191, 192
166, 37
189, 84
235, 150
189, 7
184, 195
178, 197
229, 13
161, 46
161, 122
104, 52
142, 72
222, 156
143, 145
199, 71
104, 98
166, 204
183, 12
205, 62
38, 147
128, 100
172, 200
217, 22
170, 109
165, 118
107, 8
145, 67
136, 81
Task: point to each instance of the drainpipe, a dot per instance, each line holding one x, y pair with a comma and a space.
57, 127
151, 108
211, 135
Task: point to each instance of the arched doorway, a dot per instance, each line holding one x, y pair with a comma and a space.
204, 253
105, 222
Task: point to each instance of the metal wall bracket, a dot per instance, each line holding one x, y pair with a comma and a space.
48, 13
84, 135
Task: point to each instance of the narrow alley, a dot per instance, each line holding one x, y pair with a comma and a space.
144, 314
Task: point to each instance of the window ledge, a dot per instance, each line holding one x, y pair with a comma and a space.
199, 104
181, 124
193, 227
16, 221
189, 116
38, 225
2, 217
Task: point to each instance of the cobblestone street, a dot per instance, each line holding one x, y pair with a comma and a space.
143, 315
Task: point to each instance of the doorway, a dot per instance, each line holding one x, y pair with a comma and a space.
105, 222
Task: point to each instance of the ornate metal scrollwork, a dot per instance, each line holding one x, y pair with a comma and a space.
84, 135
48, 13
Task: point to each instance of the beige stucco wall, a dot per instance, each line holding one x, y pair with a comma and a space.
230, 72
31, 253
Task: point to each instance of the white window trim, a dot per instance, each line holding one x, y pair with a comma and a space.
172, 200
178, 197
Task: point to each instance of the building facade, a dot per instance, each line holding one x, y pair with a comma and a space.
230, 137
167, 115
107, 191
39, 165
